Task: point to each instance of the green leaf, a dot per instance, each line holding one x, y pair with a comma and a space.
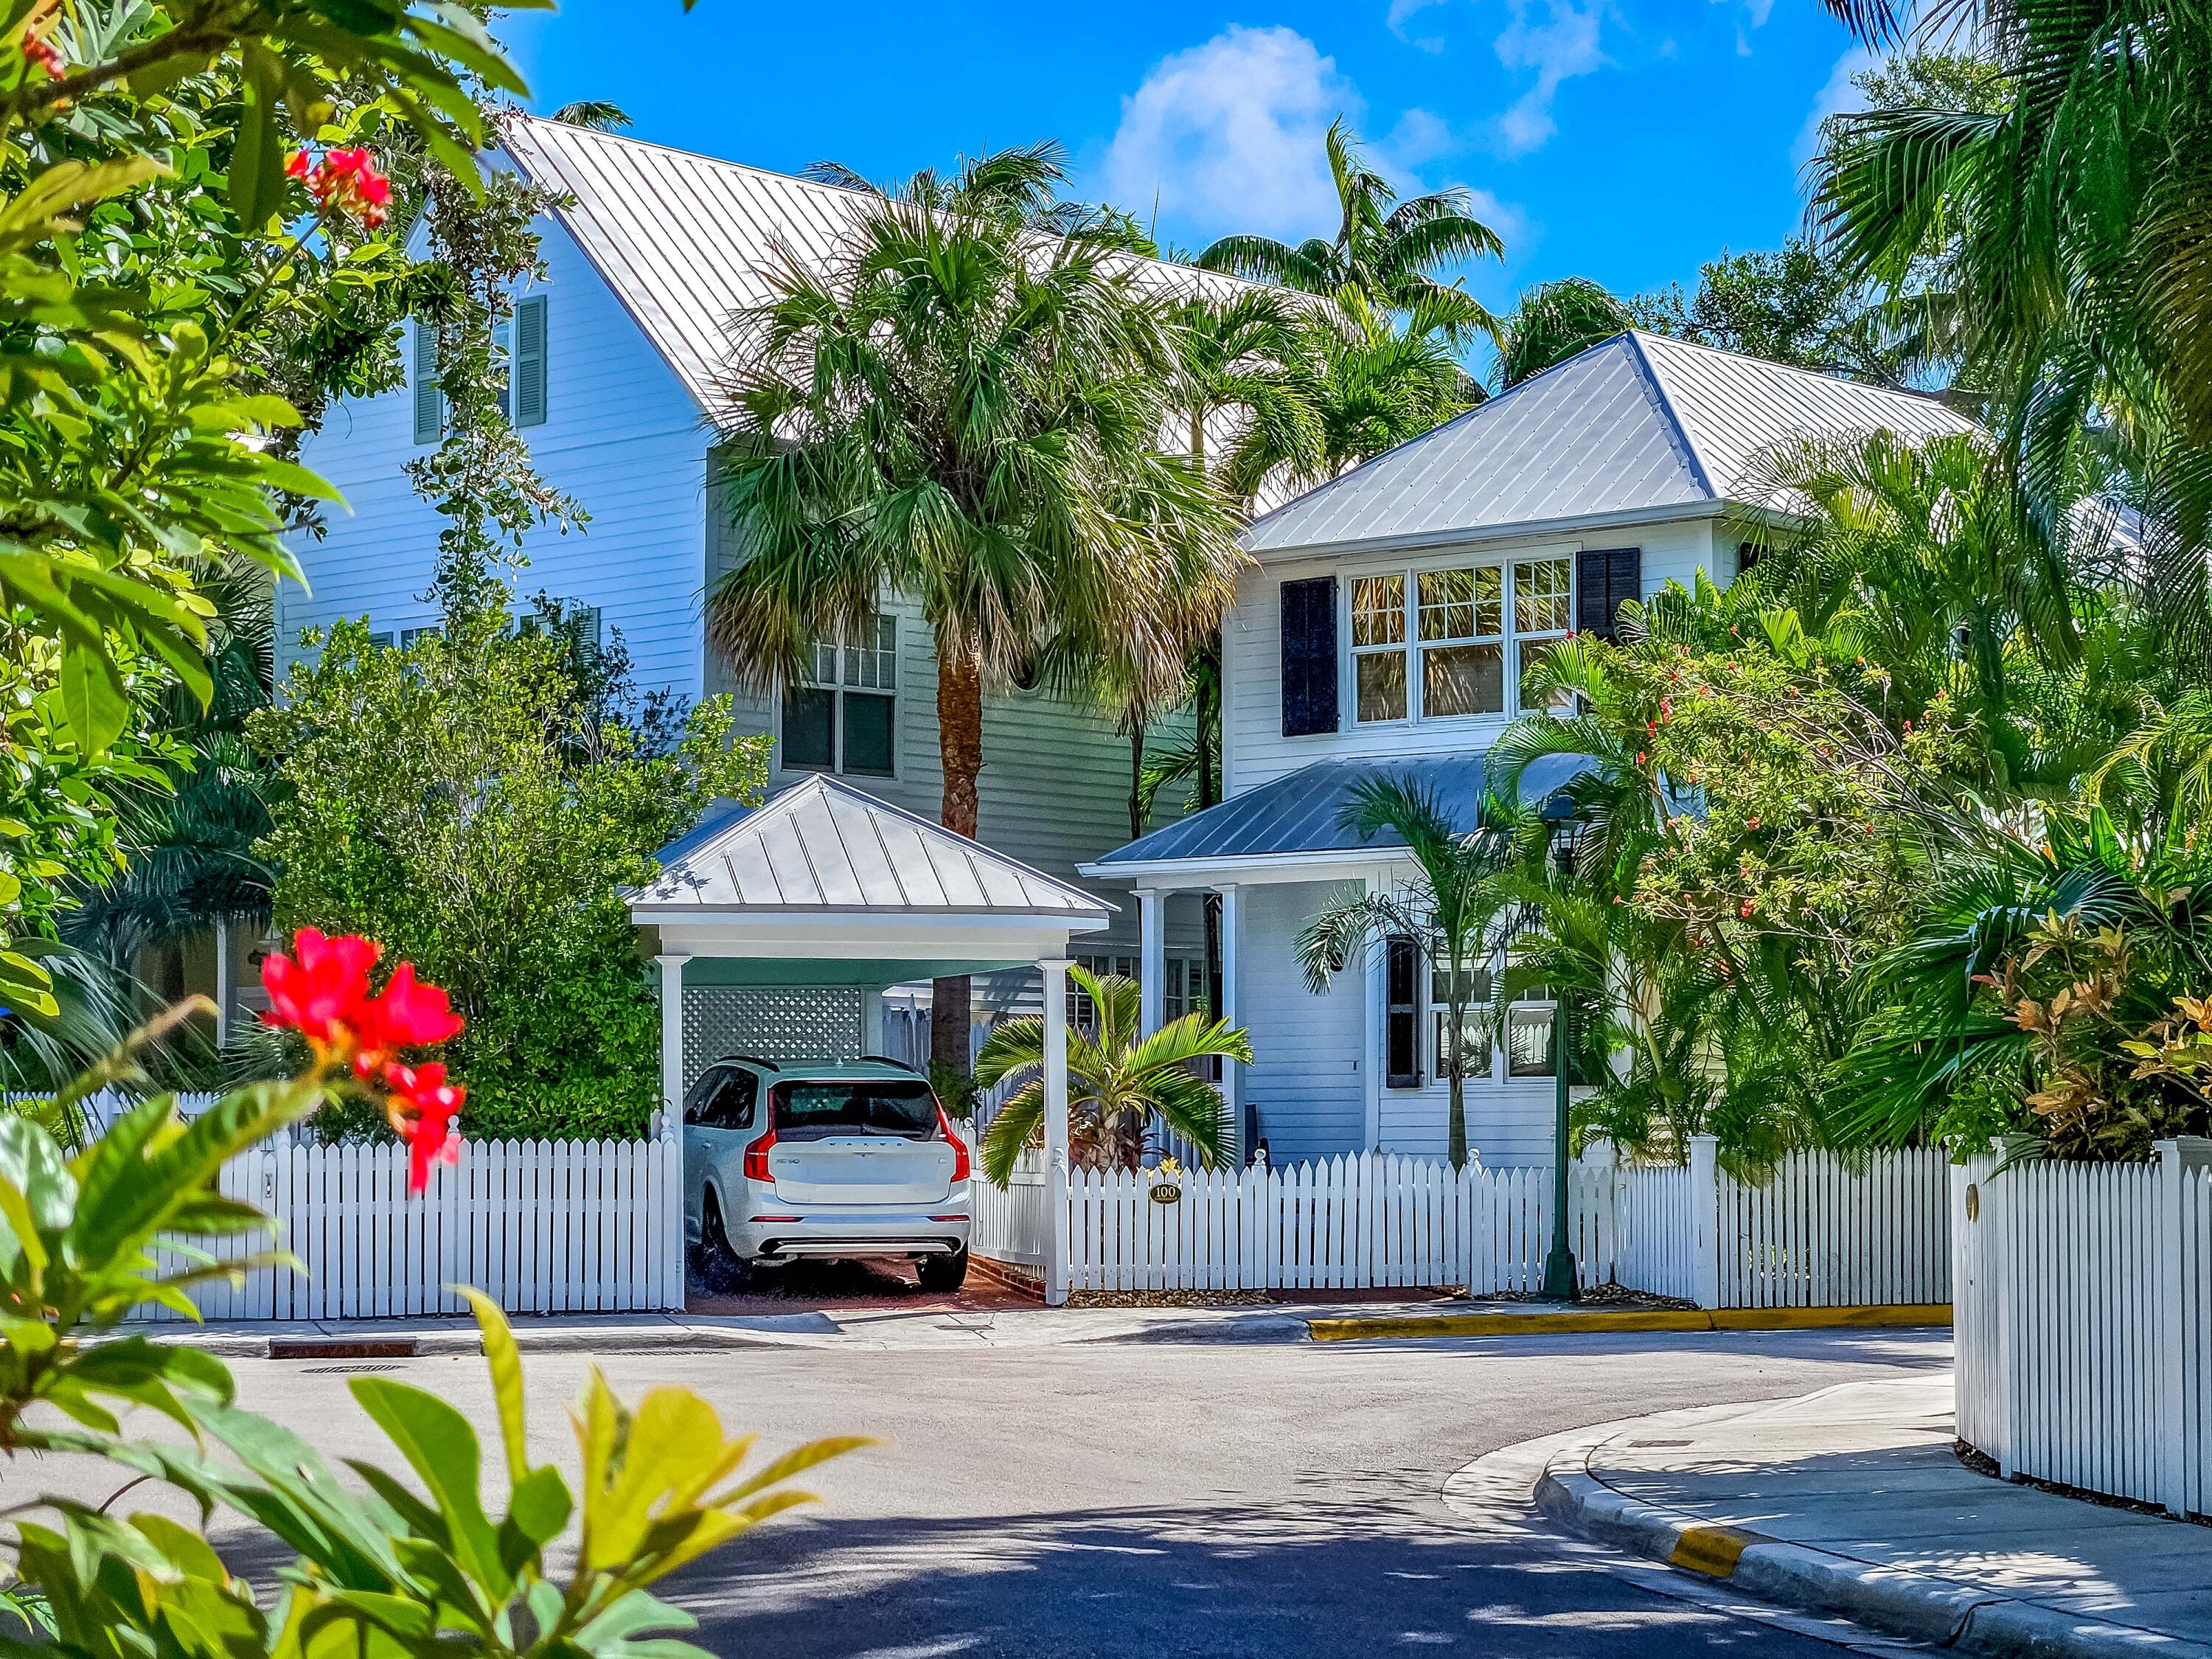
96, 701
440, 1446
505, 1360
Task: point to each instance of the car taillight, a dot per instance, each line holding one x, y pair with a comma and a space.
959, 1146
756, 1157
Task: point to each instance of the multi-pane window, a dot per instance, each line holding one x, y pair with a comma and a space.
1475, 1028
1475, 628
843, 717
1543, 611
1462, 641
1378, 647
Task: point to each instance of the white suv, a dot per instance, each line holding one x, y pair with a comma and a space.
821, 1158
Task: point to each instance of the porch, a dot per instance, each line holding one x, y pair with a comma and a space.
1353, 1069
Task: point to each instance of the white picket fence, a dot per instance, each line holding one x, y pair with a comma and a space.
1824, 1232
2084, 1322
571, 1226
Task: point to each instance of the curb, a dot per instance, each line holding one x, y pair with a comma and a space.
1916, 1605
1898, 1316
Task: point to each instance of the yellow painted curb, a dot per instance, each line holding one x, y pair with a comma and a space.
1712, 1550
1626, 1320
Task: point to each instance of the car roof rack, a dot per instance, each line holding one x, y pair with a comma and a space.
750, 1059
885, 1060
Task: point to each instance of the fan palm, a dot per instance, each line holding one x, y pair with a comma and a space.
1457, 908
2072, 241
1117, 1081
960, 407
1385, 250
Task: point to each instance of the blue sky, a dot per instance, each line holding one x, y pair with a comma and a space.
1626, 140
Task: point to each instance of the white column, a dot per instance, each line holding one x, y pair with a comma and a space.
671, 1121
226, 982
1232, 1074
1152, 958
1705, 1220
1374, 963
1055, 969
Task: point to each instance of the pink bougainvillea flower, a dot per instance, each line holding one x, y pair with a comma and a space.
423, 1107
409, 1015
321, 990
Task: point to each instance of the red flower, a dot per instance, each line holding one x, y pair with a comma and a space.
322, 991
407, 1016
346, 181
45, 55
423, 1107
297, 166
1746, 908
1639, 758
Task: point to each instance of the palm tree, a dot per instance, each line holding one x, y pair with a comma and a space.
593, 114
964, 408
1552, 322
2072, 248
1385, 250
1459, 906
1116, 1081
1378, 386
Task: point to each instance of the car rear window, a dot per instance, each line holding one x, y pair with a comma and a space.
808, 1111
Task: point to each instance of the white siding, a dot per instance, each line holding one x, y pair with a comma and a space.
1307, 1049
1257, 750
620, 436
1508, 1123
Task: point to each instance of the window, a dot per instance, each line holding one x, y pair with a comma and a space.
1543, 611
1401, 1023
408, 636
1475, 627
381, 641
842, 717
518, 367
1529, 1041
1475, 1029
723, 1099
1462, 641
1378, 647
815, 1111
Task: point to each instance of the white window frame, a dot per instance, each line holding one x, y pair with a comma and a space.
1511, 639
841, 667
1434, 966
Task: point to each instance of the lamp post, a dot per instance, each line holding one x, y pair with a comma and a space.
1560, 1276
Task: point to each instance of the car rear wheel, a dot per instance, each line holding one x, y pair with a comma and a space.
720, 1268
943, 1273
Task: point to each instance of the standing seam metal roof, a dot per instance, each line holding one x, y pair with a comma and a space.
687, 241
824, 845
1638, 422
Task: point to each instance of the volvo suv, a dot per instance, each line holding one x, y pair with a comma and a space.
791, 1158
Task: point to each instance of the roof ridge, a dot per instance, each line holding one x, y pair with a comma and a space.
1826, 377
1650, 370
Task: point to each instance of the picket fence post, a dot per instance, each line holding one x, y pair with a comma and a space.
1705, 1219
2177, 1319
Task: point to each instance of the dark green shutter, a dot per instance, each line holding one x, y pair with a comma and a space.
528, 368
429, 402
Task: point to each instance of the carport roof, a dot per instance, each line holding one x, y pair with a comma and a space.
824, 852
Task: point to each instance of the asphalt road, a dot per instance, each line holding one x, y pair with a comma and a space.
1143, 1500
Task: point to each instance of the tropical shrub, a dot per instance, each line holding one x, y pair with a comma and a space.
399, 1568
479, 799
1116, 1081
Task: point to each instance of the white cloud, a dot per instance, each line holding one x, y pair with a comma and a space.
1836, 97
1564, 42
1228, 135
1402, 12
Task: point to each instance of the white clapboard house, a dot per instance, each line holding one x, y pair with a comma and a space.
1383, 628
614, 359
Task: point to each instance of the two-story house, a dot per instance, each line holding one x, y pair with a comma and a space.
614, 359
1385, 627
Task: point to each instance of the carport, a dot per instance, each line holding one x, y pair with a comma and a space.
813, 903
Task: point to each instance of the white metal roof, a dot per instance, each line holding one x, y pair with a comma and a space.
827, 849
686, 242
1638, 424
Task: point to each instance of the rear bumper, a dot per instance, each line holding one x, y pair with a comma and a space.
833, 1234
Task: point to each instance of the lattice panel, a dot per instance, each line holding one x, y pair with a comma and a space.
774, 1022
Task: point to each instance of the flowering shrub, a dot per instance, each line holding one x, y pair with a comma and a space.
322, 993
345, 181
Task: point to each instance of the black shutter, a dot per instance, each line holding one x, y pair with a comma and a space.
1309, 670
1401, 996
1605, 578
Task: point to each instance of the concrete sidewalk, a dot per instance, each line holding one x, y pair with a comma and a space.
1852, 1501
